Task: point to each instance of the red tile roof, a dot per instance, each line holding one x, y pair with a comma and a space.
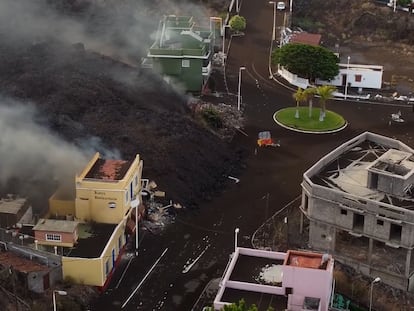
306, 38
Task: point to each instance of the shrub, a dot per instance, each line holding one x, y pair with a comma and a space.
212, 117
237, 23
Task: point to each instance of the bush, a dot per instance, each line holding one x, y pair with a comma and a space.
212, 117
237, 23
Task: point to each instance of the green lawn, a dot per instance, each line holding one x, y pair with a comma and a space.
332, 120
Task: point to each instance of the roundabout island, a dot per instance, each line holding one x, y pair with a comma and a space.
309, 123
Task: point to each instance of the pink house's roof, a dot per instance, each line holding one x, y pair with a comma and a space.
306, 260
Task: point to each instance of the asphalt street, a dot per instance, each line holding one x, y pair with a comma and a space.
197, 246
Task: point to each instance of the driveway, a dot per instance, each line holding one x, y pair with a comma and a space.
206, 234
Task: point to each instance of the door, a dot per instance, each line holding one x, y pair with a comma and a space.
46, 281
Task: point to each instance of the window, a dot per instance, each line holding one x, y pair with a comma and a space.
358, 78
185, 63
120, 243
107, 267
53, 237
305, 202
380, 222
344, 211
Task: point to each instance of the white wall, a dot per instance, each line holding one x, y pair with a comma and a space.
371, 76
306, 282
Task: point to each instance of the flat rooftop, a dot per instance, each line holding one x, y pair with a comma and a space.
11, 206
92, 240
56, 225
21, 264
307, 260
249, 268
348, 173
109, 170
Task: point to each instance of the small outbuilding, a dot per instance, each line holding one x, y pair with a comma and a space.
56, 232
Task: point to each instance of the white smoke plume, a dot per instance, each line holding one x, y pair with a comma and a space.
31, 154
116, 28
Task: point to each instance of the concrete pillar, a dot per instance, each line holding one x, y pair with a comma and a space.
333, 243
370, 247
408, 263
301, 223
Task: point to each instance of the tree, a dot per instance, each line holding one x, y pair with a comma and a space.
404, 2
299, 97
241, 306
237, 23
307, 61
309, 94
325, 93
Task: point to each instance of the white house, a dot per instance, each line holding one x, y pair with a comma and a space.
358, 76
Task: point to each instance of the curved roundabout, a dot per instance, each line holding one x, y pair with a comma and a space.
332, 122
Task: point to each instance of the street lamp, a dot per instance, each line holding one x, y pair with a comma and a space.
239, 89
290, 13
236, 232
59, 292
376, 280
274, 20
135, 204
273, 39
237, 6
347, 73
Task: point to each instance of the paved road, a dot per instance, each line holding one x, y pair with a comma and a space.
207, 233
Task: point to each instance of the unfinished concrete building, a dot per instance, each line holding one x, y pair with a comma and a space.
359, 200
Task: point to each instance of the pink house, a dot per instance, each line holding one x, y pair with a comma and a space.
56, 232
299, 280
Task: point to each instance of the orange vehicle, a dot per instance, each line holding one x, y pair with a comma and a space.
265, 140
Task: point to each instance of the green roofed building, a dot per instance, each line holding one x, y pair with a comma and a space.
182, 52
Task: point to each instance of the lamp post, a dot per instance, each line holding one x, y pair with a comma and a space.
59, 292
237, 7
236, 232
273, 39
376, 280
274, 20
346, 82
290, 13
395, 5
135, 204
239, 89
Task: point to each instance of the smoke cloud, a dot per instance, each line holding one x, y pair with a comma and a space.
121, 29
32, 156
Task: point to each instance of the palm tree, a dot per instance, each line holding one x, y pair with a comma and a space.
325, 93
299, 97
309, 94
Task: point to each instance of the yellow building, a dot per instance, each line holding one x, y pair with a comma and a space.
102, 207
105, 188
